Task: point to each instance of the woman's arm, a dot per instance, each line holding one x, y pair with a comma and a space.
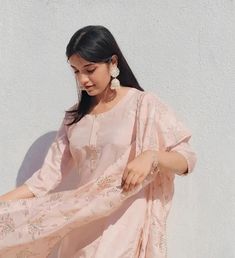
21, 192
164, 140
172, 160
57, 163
180, 160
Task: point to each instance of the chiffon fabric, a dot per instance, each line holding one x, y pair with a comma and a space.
98, 219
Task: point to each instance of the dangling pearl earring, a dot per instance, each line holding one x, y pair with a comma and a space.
115, 83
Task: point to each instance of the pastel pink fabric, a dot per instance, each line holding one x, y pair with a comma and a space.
97, 219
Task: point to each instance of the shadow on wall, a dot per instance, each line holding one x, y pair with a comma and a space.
34, 159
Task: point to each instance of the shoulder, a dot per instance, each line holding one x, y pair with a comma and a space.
149, 98
151, 102
146, 95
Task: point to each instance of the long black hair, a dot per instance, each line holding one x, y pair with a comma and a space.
95, 43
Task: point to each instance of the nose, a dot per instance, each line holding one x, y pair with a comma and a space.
83, 79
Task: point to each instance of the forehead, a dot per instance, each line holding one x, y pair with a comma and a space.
78, 61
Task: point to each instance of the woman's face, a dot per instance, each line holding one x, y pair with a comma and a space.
92, 77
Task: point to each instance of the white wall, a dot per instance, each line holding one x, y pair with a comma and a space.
183, 50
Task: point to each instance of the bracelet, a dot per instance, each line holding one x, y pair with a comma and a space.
155, 167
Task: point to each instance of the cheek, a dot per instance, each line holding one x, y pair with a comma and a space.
102, 75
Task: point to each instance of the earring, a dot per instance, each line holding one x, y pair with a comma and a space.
115, 83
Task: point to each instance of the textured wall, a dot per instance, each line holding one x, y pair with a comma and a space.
183, 50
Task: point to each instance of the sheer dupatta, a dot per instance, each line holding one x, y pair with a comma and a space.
32, 227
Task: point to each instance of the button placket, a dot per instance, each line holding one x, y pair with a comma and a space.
93, 142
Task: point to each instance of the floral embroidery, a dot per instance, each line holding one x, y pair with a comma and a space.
55, 197
114, 190
35, 226
6, 225
104, 181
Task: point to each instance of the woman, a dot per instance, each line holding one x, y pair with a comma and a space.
126, 145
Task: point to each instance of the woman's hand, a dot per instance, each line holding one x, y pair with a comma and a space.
21, 192
138, 169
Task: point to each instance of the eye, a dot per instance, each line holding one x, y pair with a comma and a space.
91, 71
75, 71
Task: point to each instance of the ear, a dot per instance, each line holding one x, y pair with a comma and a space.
114, 60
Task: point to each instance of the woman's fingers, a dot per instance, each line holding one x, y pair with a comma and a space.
127, 181
131, 181
131, 178
134, 181
125, 174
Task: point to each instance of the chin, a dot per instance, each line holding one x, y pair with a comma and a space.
91, 93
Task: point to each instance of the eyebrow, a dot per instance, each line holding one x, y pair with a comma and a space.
83, 66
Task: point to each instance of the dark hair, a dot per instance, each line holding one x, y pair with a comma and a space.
95, 43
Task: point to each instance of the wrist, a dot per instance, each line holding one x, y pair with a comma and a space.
155, 166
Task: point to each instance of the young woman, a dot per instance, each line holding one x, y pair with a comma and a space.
126, 144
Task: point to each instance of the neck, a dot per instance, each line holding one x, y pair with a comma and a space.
106, 96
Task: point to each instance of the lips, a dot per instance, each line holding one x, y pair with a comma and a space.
87, 87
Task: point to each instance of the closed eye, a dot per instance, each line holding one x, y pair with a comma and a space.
90, 71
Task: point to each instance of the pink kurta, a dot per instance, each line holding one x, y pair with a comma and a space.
98, 220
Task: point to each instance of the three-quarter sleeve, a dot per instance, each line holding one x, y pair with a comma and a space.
163, 130
173, 135
57, 163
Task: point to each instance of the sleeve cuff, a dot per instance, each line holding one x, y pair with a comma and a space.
185, 150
